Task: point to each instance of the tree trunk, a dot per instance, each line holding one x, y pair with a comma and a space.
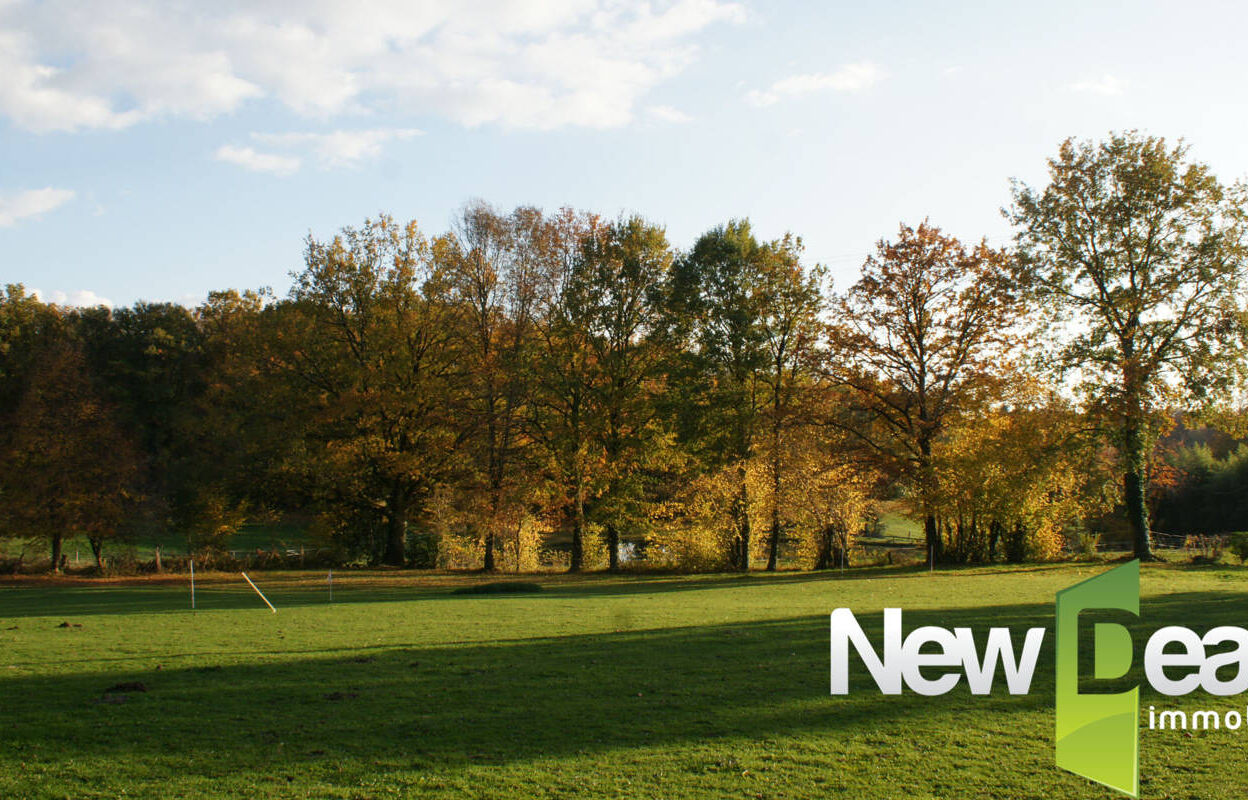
931, 529
613, 548
741, 510
489, 565
1135, 488
932, 534
824, 556
1135, 452
1137, 514
56, 552
773, 550
494, 471
97, 550
396, 532
1016, 544
577, 562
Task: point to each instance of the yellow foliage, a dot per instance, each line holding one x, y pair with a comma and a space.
1016, 480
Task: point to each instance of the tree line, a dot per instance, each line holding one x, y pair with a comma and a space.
525, 377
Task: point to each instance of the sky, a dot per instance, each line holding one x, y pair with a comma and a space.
157, 151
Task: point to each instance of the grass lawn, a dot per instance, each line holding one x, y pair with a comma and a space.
600, 687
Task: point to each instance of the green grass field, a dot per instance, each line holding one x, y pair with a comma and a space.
599, 687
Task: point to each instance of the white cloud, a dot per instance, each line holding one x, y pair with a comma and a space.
82, 298
68, 65
31, 204
251, 159
855, 77
285, 153
1106, 85
345, 148
668, 114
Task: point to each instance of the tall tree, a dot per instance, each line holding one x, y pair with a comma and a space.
748, 313
921, 339
563, 370
622, 270
377, 354
1142, 253
719, 302
494, 275
68, 467
149, 359
241, 424
791, 326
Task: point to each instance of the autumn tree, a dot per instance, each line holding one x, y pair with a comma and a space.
621, 270
69, 468
1015, 479
921, 340
792, 302
149, 361
373, 342
830, 486
494, 272
717, 305
241, 425
1139, 253
564, 416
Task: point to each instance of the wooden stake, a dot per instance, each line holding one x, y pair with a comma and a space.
262, 597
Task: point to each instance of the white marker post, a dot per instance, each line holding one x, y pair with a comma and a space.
262, 597
192, 584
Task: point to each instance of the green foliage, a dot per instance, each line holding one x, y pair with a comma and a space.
1139, 253
1237, 543
1209, 494
1083, 543
422, 550
27, 326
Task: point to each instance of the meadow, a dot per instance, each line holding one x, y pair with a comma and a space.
410, 685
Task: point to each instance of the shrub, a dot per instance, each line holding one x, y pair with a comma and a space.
422, 550
1237, 543
1082, 543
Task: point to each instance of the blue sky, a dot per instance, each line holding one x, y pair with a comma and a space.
161, 150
